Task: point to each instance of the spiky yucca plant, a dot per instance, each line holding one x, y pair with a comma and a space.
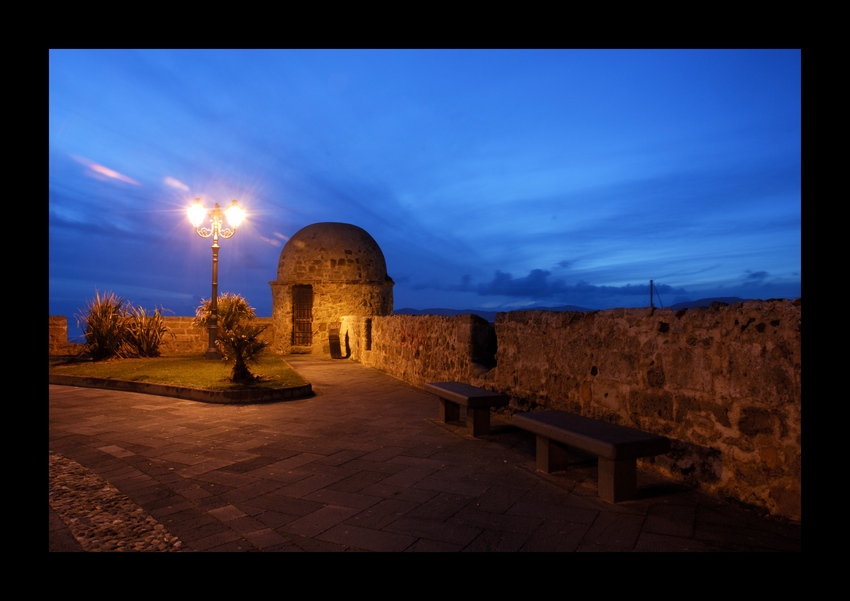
144, 333
104, 322
238, 337
114, 328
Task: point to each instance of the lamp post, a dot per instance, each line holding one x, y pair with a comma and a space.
197, 214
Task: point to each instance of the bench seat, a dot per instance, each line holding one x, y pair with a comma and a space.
616, 447
478, 402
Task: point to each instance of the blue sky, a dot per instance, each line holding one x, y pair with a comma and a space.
491, 179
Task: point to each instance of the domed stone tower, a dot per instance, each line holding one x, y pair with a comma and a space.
327, 271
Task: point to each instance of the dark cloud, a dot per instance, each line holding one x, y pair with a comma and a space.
755, 277
459, 197
539, 287
536, 284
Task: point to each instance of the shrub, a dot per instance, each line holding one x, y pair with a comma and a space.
238, 336
114, 328
144, 333
104, 322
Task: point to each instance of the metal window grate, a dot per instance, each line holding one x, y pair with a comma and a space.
302, 315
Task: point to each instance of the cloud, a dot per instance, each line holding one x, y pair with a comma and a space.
536, 284
755, 277
546, 204
101, 172
175, 183
270, 241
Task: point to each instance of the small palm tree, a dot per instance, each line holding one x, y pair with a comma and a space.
244, 346
238, 337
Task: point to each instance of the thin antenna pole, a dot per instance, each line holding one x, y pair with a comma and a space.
651, 305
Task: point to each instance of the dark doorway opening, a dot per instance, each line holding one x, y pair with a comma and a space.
368, 333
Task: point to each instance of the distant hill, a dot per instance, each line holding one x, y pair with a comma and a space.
491, 315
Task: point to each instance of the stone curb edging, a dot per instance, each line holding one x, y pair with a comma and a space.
231, 397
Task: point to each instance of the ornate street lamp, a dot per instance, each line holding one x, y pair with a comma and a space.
197, 214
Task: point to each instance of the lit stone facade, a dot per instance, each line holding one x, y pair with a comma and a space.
722, 382
327, 271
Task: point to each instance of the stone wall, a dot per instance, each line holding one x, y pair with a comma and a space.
57, 337
330, 302
185, 339
422, 348
724, 382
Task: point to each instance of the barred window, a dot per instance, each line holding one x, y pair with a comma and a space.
302, 315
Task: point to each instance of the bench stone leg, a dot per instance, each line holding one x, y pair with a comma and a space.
617, 479
553, 456
449, 412
477, 421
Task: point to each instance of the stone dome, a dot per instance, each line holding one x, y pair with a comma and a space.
331, 252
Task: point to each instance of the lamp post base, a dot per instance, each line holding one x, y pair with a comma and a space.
212, 347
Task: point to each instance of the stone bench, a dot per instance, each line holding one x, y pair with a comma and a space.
478, 402
616, 447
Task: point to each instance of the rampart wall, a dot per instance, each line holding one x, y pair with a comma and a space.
57, 337
723, 382
185, 339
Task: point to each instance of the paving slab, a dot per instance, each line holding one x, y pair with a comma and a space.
363, 465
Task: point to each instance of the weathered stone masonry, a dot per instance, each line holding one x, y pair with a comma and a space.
341, 271
724, 383
183, 338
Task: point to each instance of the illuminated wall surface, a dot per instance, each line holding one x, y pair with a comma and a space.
326, 271
723, 382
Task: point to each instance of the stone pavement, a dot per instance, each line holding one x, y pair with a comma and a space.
364, 465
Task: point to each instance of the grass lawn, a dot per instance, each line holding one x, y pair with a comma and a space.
190, 370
